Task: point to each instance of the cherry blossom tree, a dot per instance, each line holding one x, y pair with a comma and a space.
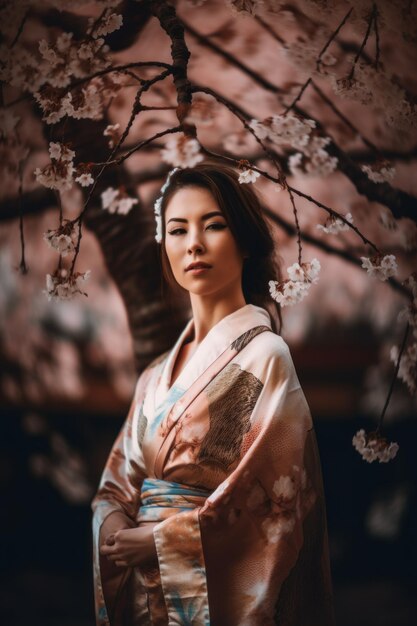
312, 101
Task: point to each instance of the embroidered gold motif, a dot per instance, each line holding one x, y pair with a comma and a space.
141, 426
245, 338
231, 397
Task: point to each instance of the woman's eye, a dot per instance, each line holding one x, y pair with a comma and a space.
213, 226
217, 225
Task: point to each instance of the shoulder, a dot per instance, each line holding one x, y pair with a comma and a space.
269, 358
271, 345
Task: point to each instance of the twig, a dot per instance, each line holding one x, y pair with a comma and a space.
363, 44
394, 378
269, 30
281, 178
401, 203
343, 117
19, 30
266, 84
377, 46
117, 68
332, 37
22, 265
318, 62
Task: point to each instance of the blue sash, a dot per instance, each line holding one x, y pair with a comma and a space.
162, 498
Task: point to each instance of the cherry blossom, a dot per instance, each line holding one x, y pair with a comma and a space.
379, 266
313, 159
379, 174
284, 129
334, 225
64, 286
373, 446
294, 289
182, 151
60, 152
296, 132
62, 239
108, 23
117, 201
407, 371
376, 88
85, 179
248, 176
112, 131
56, 175
59, 173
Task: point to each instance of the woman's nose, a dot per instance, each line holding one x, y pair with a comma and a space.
195, 242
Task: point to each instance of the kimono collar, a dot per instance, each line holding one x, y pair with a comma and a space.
218, 339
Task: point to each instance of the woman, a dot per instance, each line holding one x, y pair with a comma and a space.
211, 507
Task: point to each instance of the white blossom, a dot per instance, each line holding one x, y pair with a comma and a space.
108, 24
117, 201
372, 446
85, 180
112, 131
284, 129
378, 266
182, 151
60, 152
296, 132
382, 174
57, 175
407, 371
64, 286
296, 287
62, 239
89, 104
248, 176
61, 243
334, 225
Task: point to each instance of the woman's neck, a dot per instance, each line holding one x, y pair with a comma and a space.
207, 314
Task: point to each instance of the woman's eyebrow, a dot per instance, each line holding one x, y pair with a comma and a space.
206, 216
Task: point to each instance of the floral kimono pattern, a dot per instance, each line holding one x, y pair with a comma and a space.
225, 461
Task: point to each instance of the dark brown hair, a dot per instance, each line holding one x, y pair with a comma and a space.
244, 215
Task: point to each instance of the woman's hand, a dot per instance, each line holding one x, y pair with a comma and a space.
131, 547
114, 522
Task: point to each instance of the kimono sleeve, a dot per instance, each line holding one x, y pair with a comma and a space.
256, 552
119, 490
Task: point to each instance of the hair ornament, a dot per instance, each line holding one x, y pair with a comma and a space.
158, 204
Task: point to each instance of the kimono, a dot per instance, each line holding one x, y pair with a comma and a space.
225, 463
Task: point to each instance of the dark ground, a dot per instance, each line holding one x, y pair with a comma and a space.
45, 560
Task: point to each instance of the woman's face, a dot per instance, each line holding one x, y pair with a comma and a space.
196, 231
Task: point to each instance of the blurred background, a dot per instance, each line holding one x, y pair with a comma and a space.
68, 366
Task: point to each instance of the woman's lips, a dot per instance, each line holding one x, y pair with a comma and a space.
197, 270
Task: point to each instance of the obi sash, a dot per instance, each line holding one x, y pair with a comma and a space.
163, 498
